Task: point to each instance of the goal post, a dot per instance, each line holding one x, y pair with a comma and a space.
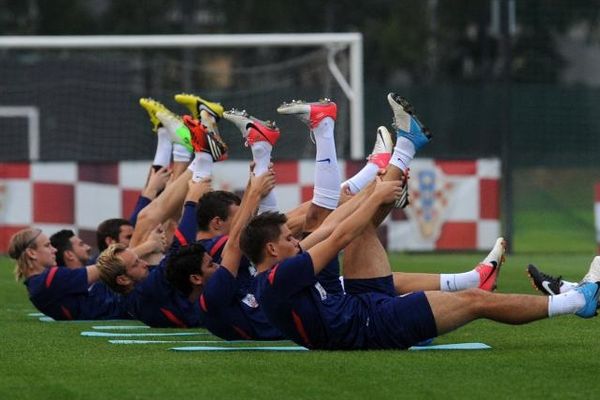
332, 42
32, 115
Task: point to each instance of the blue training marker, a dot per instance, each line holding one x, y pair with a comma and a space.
120, 334
246, 348
133, 341
453, 346
119, 327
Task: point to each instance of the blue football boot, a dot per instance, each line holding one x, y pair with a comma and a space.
589, 290
406, 122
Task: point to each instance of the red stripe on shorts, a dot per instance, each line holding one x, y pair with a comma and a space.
300, 329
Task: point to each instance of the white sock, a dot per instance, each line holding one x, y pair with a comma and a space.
181, 153
201, 167
327, 173
162, 157
456, 282
404, 152
567, 286
261, 154
565, 303
362, 178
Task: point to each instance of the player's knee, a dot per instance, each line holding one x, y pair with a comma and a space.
474, 298
145, 216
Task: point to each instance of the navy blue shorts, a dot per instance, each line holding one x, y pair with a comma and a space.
394, 322
383, 285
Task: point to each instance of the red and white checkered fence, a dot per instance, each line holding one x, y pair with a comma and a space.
454, 204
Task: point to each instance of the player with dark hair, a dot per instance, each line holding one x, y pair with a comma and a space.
111, 231
370, 315
229, 310
60, 293
148, 294
215, 212
71, 251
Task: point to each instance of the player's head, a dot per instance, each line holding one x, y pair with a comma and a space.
120, 268
215, 210
190, 267
268, 236
32, 250
71, 251
114, 230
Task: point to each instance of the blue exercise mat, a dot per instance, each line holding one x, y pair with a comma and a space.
133, 341
119, 327
121, 334
247, 348
70, 321
452, 346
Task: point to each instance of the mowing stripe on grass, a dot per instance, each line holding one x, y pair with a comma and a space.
119, 334
246, 348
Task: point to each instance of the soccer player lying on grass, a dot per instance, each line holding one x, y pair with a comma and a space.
228, 298
71, 251
370, 315
62, 293
229, 311
149, 296
551, 285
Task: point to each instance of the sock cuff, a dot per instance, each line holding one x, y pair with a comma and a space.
181, 153
326, 198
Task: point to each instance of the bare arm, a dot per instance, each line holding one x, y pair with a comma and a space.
93, 275
257, 189
335, 218
352, 226
155, 242
157, 180
165, 206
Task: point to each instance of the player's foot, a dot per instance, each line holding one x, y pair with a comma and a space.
196, 104
544, 283
310, 113
178, 132
204, 140
590, 291
489, 268
152, 107
406, 122
382, 150
593, 274
253, 129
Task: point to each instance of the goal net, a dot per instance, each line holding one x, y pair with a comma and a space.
84, 91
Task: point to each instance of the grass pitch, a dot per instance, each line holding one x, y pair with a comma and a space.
549, 359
